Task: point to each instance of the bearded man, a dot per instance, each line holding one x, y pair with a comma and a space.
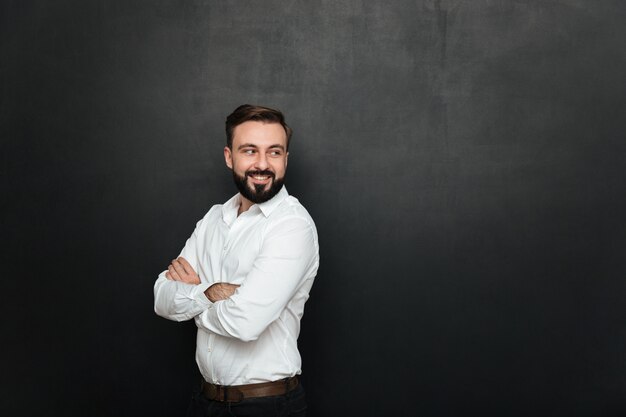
244, 276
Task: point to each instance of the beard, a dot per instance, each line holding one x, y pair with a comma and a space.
258, 194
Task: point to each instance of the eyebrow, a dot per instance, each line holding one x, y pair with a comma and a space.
250, 145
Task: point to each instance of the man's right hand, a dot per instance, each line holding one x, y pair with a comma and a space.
181, 270
220, 291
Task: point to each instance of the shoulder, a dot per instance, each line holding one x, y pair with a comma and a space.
214, 211
213, 215
291, 214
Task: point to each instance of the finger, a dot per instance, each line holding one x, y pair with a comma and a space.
167, 275
174, 274
186, 265
178, 264
179, 268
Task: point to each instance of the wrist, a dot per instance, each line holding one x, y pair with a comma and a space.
209, 294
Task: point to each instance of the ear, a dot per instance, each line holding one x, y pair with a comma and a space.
286, 159
228, 157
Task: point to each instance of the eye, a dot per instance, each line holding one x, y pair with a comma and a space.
275, 153
249, 151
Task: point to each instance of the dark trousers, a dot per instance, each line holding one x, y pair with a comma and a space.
292, 404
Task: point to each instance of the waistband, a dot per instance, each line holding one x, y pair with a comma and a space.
236, 393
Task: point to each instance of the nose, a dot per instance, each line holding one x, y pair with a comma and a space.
261, 162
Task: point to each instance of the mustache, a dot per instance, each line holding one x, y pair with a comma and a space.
265, 172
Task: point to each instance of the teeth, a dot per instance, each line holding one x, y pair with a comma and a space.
260, 178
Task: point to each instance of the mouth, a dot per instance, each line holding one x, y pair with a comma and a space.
260, 178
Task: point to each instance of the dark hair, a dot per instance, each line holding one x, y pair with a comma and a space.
247, 112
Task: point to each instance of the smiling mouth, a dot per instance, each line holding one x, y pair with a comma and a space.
260, 177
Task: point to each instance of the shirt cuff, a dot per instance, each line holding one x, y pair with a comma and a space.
199, 296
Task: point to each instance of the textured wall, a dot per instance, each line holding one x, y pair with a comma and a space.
464, 162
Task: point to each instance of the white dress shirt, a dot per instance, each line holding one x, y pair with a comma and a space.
272, 251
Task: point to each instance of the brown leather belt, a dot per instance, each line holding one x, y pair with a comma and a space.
236, 393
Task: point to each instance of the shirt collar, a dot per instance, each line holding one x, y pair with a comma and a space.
268, 207
231, 207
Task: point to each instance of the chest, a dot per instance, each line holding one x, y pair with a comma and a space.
231, 250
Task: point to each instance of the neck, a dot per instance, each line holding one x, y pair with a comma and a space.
244, 205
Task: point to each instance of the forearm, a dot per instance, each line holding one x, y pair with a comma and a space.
210, 321
178, 301
252, 308
227, 318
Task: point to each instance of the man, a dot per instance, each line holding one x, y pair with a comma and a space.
244, 276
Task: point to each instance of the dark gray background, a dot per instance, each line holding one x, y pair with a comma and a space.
463, 160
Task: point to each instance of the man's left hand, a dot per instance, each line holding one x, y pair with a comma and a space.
181, 270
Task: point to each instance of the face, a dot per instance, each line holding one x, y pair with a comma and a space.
258, 159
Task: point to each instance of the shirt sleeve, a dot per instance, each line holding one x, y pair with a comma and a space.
179, 301
288, 256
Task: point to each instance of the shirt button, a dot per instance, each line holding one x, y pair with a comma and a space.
209, 349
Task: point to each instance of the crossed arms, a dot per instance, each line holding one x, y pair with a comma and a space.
287, 262
181, 270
